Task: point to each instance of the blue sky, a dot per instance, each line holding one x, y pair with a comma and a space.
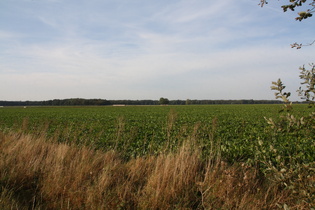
147, 49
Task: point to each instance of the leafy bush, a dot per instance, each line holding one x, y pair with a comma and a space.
292, 162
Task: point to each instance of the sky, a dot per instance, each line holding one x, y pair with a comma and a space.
147, 49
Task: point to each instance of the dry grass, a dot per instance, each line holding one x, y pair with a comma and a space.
40, 174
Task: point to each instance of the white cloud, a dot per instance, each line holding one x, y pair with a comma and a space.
107, 49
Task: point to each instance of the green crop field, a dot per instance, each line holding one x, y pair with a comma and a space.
240, 132
157, 157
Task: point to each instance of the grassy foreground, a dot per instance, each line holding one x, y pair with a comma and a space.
38, 173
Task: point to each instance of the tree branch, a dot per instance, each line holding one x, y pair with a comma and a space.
293, 5
299, 46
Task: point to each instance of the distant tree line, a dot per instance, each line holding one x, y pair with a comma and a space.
58, 102
104, 102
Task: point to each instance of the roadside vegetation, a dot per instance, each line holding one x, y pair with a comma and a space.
36, 173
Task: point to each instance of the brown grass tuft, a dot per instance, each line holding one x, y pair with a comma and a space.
172, 183
36, 173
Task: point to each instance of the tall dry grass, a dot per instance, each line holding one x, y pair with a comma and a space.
39, 174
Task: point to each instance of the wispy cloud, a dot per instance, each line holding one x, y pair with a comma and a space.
136, 50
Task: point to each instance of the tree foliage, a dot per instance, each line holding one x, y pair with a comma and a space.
307, 9
164, 101
308, 80
294, 4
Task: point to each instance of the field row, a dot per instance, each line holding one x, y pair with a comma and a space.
240, 132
